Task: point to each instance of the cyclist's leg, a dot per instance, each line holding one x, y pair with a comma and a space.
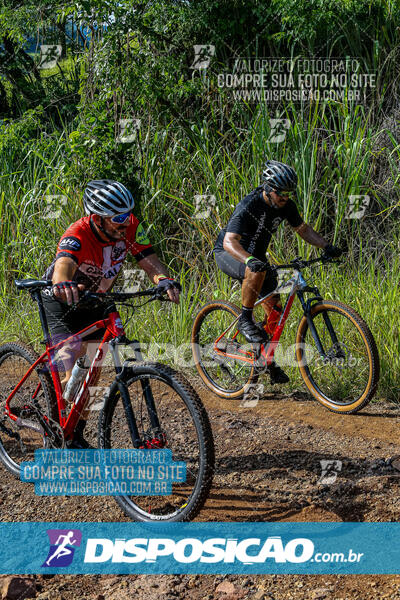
91, 349
272, 306
251, 282
68, 353
60, 320
64, 321
251, 287
273, 310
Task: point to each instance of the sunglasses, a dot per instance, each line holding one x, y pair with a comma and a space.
285, 193
120, 218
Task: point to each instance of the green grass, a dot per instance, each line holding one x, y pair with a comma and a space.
336, 151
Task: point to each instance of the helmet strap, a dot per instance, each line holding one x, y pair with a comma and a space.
103, 231
267, 190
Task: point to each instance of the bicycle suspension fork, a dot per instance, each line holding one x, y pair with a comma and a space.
124, 392
307, 312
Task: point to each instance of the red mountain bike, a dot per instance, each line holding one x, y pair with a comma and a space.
335, 350
148, 406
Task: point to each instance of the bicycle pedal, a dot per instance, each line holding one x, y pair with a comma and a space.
229, 347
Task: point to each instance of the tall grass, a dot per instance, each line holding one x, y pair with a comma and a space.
334, 148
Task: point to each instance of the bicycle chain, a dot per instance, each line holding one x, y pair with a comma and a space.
9, 432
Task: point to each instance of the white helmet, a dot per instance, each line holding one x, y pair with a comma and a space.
107, 198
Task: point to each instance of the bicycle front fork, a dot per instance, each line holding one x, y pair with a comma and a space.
307, 312
124, 392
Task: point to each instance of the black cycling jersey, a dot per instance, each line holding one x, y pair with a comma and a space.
256, 221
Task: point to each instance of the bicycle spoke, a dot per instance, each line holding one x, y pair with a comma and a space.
341, 375
224, 372
178, 432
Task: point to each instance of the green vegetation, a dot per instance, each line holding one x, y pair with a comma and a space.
61, 128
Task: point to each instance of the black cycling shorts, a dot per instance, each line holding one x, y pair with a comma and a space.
236, 269
64, 320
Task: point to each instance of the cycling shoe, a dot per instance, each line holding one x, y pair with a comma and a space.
250, 331
277, 375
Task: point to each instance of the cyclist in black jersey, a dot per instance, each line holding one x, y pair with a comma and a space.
241, 247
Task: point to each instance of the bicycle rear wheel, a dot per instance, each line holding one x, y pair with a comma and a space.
345, 379
185, 429
227, 377
18, 442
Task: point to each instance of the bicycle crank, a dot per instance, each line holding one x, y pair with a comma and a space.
50, 430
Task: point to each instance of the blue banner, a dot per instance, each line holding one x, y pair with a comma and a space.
98, 472
240, 548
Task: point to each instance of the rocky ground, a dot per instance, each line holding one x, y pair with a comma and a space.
267, 469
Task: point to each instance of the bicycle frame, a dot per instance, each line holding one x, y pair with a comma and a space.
266, 355
113, 335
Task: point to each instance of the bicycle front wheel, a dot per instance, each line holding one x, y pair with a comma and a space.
214, 356
344, 377
184, 428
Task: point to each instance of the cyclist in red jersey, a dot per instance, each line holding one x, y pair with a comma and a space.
89, 256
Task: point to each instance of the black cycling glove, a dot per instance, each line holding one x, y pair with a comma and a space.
69, 289
257, 266
66, 285
333, 251
167, 283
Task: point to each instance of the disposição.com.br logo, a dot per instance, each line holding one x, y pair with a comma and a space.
63, 543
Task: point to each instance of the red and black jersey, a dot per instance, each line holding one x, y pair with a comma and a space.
99, 262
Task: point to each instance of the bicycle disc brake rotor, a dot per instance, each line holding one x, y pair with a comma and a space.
157, 441
337, 355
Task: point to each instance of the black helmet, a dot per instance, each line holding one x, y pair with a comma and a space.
107, 198
279, 177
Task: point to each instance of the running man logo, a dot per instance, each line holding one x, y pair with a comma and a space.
278, 130
330, 470
128, 130
204, 204
203, 55
357, 206
63, 543
252, 394
49, 56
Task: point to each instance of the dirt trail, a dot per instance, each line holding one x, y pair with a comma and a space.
268, 461
267, 469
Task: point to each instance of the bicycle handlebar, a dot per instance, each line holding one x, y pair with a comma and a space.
298, 263
122, 296
35, 285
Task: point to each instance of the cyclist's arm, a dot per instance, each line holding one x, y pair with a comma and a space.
153, 267
309, 235
231, 244
64, 270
